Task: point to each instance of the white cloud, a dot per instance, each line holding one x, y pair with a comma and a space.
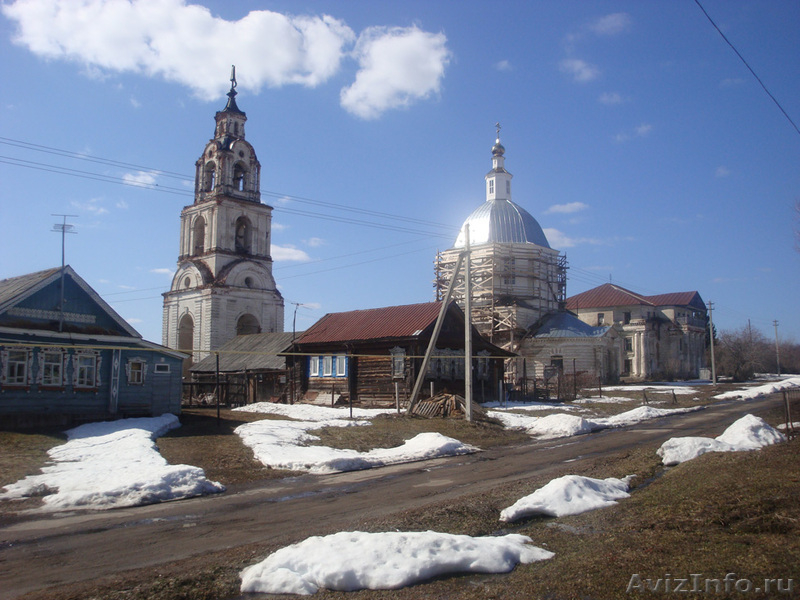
276, 226
187, 44
397, 66
642, 130
163, 271
315, 242
122, 286
183, 42
140, 178
503, 65
92, 206
580, 70
135, 103
558, 239
122, 205
611, 98
722, 172
289, 253
731, 82
612, 24
571, 207
134, 321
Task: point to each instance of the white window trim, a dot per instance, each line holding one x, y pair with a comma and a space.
4, 373
129, 371
62, 367
76, 370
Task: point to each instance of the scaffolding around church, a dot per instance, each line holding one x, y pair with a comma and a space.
513, 286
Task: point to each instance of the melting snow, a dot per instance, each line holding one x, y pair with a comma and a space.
568, 495
277, 444
349, 561
748, 433
112, 464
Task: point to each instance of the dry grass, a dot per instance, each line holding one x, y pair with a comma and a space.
204, 441
23, 454
720, 513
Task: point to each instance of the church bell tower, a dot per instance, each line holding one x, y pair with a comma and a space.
223, 286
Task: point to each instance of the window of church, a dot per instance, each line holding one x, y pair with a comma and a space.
491, 186
199, 236
242, 241
239, 175
210, 177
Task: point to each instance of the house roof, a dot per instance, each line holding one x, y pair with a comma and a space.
374, 323
256, 352
610, 295
16, 290
13, 288
567, 325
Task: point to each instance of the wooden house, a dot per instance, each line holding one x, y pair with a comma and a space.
66, 355
373, 356
251, 369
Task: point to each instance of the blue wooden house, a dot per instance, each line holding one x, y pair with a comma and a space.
66, 356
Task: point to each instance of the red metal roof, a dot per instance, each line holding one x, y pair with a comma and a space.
605, 295
609, 295
374, 323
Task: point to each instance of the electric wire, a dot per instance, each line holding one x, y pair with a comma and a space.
749, 68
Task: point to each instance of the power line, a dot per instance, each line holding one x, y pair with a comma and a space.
38, 165
749, 68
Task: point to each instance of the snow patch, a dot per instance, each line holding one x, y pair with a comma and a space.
349, 561
278, 444
568, 495
112, 464
748, 433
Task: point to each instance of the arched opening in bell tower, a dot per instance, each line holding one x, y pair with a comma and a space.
242, 234
209, 177
247, 324
199, 236
239, 177
186, 341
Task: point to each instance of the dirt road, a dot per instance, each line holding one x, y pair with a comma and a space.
47, 551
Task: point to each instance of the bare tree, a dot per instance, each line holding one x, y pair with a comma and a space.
742, 353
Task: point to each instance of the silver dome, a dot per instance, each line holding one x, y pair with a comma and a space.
502, 222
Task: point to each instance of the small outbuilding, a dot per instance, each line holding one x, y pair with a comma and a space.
251, 369
67, 356
373, 356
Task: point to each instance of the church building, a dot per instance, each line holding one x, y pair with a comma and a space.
517, 278
223, 286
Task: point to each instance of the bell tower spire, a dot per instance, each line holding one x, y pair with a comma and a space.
498, 180
223, 286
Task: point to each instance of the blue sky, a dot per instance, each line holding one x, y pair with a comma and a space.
644, 147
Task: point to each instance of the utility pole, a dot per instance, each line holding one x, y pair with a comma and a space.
64, 228
467, 329
711, 336
294, 324
777, 347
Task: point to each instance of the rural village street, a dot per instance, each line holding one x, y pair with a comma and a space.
49, 550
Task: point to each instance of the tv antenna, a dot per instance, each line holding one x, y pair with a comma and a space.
64, 228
